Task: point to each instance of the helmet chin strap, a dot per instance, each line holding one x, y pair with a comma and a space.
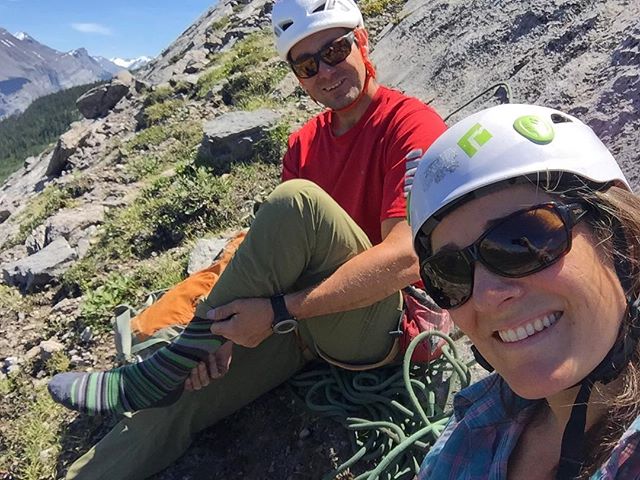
362, 93
362, 40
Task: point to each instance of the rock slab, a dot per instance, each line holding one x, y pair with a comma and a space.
231, 138
41, 268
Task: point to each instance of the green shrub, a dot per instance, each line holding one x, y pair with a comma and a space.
242, 88
168, 213
272, 147
158, 95
10, 299
187, 132
160, 111
143, 165
219, 24
104, 291
57, 363
98, 303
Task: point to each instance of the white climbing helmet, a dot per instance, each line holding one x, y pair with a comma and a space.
501, 143
294, 20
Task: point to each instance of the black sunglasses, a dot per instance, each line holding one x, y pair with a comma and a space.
334, 52
518, 245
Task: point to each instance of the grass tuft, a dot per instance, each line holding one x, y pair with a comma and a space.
30, 438
374, 8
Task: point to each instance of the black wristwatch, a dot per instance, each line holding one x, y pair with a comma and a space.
283, 321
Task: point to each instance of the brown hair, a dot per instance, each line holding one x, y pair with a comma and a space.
616, 211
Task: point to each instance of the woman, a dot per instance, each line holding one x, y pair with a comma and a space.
528, 233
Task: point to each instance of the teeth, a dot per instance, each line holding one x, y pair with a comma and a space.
531, 328
333, 87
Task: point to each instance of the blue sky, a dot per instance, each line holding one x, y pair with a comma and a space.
114, 28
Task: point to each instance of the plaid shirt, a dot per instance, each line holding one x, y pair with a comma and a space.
482, 434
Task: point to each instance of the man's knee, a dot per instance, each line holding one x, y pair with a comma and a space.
293, 189
296, 196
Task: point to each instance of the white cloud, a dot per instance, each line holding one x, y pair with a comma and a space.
91, 28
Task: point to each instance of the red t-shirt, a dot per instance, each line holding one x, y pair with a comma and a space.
363, 169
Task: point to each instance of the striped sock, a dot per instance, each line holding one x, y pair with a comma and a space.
154, 382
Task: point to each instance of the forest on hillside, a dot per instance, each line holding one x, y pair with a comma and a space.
29, 133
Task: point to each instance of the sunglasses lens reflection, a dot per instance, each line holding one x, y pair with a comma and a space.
522, 244
332, 54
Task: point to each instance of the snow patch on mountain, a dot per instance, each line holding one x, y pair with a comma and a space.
131, 63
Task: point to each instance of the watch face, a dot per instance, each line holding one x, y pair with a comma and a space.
285, 326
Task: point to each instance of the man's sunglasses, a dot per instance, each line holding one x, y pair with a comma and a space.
517, 245
308, 65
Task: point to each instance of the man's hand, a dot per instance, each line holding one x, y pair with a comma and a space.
245, 322
216, 366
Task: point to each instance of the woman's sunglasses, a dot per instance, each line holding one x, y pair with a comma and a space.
308, 65
517, 245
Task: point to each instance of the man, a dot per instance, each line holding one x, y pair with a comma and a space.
327, 257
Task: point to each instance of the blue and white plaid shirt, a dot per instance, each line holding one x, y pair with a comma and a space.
482, 434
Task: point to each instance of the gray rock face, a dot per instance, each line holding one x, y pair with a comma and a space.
247, 16
581, 57
231, 138
41, 268
99, 101
204, 253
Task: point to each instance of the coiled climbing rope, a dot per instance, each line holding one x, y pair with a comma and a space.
395, 413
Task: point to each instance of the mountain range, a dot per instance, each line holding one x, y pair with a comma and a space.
29, 69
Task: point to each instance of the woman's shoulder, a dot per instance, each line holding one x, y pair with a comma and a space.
624, 462
484, 413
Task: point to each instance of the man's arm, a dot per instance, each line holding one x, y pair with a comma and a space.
363, 280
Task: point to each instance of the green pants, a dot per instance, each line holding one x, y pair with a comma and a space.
299, 237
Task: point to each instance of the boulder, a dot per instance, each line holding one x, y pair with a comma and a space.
41, 268
67, 145
4, 214
230, 138
204, 253
72, 223
196, 61
98, 101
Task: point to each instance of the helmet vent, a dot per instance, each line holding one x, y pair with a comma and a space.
286, 25
557, 118
320, 8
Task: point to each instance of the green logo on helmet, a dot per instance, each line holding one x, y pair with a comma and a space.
534, 128
475, 138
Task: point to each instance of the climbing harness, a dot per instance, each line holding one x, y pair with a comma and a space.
395, 413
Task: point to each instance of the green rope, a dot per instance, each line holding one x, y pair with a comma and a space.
394, 412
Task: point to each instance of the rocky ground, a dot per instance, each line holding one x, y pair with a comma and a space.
84, 226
